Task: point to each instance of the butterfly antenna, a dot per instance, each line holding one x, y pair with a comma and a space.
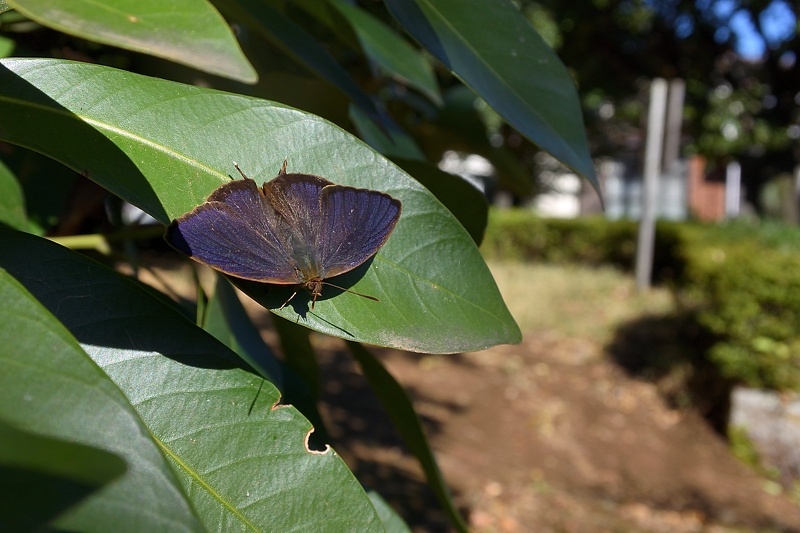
368, 297
236, 165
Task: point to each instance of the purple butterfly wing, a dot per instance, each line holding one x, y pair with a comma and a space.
356, 223
235, 231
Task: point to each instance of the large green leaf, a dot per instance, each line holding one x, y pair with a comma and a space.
190, 32
467, 203
390, 51
43, 477
296, 42
241, 459
226, 319
165, 147
49, 386
492, 47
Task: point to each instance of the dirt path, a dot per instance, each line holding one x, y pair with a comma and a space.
550, 435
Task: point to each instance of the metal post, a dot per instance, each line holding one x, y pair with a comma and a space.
672, 139
733, 187
652, 169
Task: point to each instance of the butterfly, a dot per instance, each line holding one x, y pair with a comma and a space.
296, 229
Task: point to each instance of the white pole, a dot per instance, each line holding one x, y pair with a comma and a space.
733, 189
672, 139
797, 183
652, 169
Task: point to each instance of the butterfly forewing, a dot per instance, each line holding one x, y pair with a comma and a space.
234, 232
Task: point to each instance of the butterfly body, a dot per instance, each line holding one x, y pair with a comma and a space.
297, 229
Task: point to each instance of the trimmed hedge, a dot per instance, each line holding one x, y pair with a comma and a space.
518, 234
741, 281
748, 295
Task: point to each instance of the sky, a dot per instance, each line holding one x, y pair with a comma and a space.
778, 22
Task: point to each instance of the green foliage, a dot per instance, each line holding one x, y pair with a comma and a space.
740, 281
448, 29
520, 235
748, 295
735, 107
214, 50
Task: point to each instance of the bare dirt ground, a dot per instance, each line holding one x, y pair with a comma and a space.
554, 434
550, 435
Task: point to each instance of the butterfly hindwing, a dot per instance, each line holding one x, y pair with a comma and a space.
357, 222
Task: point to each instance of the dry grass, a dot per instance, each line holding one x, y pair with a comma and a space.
573, 300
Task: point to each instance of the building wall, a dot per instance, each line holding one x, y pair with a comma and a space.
706, 191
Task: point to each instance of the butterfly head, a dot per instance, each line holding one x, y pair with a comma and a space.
314, 287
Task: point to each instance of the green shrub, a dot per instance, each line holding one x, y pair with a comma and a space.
748, 295
518, 234
741, 280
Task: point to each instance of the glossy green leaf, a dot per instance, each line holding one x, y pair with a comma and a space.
492, 47
49, 386
390, 140
87, 465
43, 477
301, 374
394, 55
226, 319
12, 203
401, 411
299, 44
129, 133
467, 203
241, 459
190, 32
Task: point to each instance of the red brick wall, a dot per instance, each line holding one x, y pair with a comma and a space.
706, 191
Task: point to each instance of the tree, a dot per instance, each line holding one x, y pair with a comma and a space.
185, 431
736, 107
